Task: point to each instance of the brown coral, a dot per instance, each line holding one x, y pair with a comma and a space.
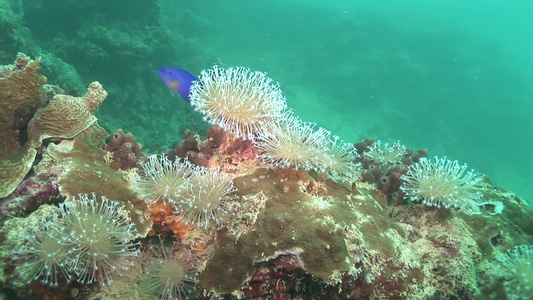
20, 90
21, 94
66, 116
14, 168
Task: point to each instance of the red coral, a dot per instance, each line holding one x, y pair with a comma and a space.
217, 143
126, 151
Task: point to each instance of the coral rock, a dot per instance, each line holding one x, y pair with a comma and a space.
20, 90
66, 116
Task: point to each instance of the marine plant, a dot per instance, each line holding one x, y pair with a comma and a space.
442, 183
237, 99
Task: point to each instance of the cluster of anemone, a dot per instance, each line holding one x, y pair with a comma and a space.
251, 106
292, 143
89, 240
442, 183
200, 197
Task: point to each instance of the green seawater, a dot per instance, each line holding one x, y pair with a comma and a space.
452, 77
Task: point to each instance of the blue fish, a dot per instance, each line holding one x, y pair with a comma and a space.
177, 80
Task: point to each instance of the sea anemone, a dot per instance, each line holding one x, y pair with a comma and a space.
209, 200
442, 183
294, 143
162, 179
100, 237
238, 100
340, 160
386, 155
170, 273
44, 255
518, 272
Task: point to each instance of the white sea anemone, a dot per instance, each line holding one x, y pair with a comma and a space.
387, 155
518, 272
294, 143
209, 200
162, 179
91, 241
170, 273
442, 183
237, 99
44, 255
100, 238
340, 159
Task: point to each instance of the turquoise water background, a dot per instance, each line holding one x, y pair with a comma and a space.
452, 77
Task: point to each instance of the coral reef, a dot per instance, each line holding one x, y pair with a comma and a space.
123, 52
218, 149
384, 166
40, 187
12, 32
294, 213
66, 116
87, 171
